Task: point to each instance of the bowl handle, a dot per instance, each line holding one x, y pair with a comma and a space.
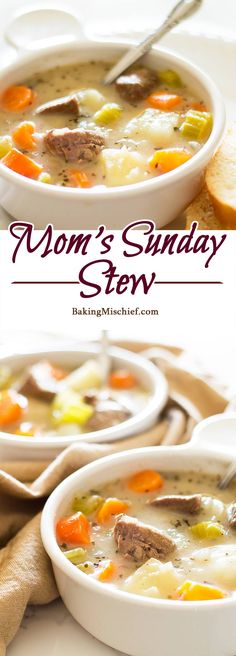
218, 432
39, 28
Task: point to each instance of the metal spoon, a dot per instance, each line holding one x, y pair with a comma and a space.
182, 10
104, 357
227, 478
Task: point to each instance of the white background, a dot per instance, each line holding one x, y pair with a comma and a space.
199, 318
105, 16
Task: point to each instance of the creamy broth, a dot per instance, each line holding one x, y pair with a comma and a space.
210, 561
44, 400
135, 143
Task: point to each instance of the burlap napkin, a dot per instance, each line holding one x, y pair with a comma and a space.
25, 572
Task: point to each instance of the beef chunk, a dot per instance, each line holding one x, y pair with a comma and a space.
66, 105
184, 504
74, 145
139, 542
231, 514
94, 396
90, 397
137, 85
107, 413
39, 382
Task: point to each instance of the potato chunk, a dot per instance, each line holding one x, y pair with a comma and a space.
155, 126
122, 167
90, 100
213, 509
154, 579
217, 565
223, 567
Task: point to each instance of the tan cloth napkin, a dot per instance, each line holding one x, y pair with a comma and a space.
25, 571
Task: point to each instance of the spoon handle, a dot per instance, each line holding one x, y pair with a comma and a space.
182, 10
227, 478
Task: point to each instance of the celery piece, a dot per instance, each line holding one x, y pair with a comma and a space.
45, 177
108, 113
5, 145
76, 556
197, 125
5, 377
87, 504
87, 567
207, 530
68, 407
169, 77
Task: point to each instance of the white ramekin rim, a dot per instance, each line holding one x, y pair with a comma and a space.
157, 399
68, 486
196, 163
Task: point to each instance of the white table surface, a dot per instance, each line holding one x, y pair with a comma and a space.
51, 629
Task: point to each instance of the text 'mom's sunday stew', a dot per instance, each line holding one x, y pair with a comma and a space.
65, 128
48, 400
167, 536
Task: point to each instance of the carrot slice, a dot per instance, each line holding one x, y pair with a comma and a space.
147, 480
110, 508
57, 373
79, 179
73, 530
17, 98
106, 571
192, 591
12, 407
199, 107
122, 379
163, 100
22, 164
23, 136
169, 159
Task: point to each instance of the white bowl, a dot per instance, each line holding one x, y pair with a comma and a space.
18, 447
133, 624
162, 198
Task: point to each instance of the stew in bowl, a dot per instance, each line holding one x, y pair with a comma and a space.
48, 400
63, 127
165, 536
88, 131
146, 539
51, 399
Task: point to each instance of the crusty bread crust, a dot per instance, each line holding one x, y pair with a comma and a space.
226, 215
201, 210
221, 181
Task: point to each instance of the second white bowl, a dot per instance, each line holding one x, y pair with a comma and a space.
18, 447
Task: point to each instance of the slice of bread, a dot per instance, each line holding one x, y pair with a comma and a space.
221, 181
201, 210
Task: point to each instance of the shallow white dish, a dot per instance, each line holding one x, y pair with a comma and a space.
18, 447
132, 624
159, 198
